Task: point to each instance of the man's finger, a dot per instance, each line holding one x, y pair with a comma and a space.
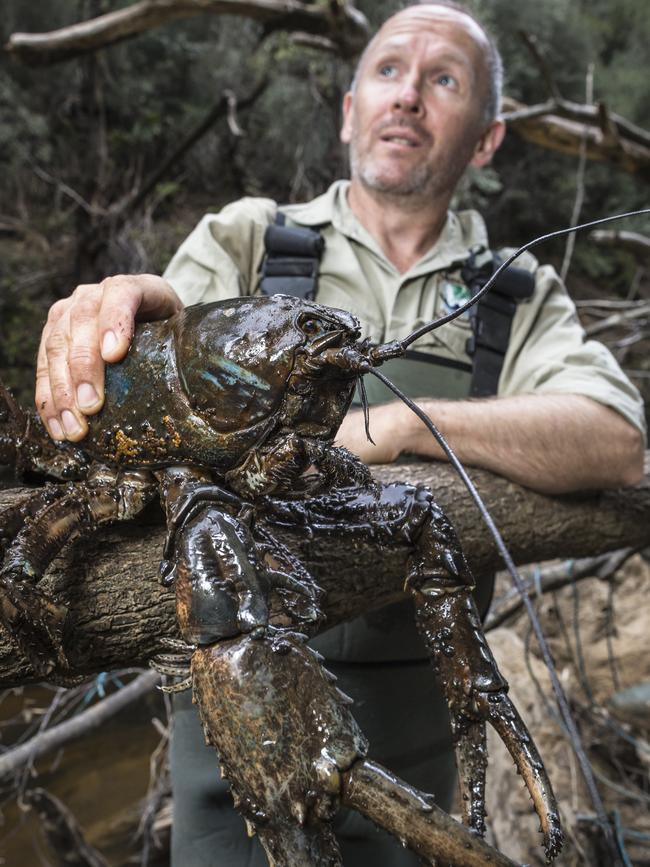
84, 352
43, 396
125, 299
60, 411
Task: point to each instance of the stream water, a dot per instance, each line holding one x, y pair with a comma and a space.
101, 777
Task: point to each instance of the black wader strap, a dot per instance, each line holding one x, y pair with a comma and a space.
290, 266
491, 320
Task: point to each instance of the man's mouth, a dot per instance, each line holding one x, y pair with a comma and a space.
400, 140
402, 136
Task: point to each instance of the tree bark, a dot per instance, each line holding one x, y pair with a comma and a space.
118, 611
339, 23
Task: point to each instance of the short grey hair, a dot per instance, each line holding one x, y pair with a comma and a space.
493, 59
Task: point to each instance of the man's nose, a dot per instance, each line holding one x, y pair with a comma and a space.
409, 98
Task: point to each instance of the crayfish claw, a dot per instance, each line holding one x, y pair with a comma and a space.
476, 693
471, 758
505, 719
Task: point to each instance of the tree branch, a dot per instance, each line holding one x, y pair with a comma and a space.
555, 577
562, 126
57, 736
632, 242
340, 23
118, 612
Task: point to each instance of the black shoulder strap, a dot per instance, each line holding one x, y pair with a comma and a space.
491, 319
290, 266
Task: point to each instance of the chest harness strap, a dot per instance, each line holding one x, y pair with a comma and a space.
291, 265
491, 319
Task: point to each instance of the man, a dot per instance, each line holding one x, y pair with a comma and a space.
423, 106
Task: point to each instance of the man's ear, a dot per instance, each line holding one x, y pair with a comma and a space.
346, 126
488, 144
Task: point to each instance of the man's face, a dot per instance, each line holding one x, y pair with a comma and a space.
414, 121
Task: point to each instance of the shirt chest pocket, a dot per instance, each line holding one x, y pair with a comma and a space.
431, 300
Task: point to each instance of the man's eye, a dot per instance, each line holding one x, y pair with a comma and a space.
388, 70
447, 80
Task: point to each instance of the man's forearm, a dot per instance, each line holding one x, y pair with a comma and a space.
552, 443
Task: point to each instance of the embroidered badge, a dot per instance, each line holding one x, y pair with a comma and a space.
454, 295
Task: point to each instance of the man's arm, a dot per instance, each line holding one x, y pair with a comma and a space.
552, 443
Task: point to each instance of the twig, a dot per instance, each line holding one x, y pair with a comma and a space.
531, 44
55, 737
607, 304
553, 578
225, 106
62, 831
636, 312
580, 181
634, 242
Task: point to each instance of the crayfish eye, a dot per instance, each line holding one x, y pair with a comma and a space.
311, 327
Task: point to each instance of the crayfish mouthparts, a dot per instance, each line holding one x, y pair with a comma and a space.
363, 358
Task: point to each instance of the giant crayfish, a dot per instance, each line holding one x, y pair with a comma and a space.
230, 410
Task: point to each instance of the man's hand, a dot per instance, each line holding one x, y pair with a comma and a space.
389, 423
93, 326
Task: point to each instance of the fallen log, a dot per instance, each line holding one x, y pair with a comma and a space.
119, 612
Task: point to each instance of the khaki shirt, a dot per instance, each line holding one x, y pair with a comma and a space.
547, 352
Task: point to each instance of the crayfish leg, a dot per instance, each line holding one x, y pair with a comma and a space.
477, 693
49, 520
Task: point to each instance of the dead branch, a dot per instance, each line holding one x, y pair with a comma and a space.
391, 805
560, 125
62, 831
339, 23
555, 577
118, 612
636, 310
54, 738
633, 242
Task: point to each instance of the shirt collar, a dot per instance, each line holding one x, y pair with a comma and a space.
462, 233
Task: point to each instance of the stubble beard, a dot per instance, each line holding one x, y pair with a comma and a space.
421, 182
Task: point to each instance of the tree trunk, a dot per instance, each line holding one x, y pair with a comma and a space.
118, 611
